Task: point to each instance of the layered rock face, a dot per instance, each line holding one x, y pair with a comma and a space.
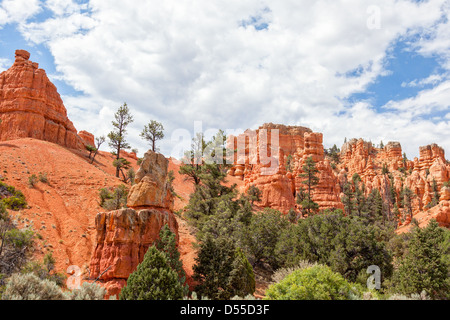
362, 158
124, 236
272, 159
262, 158
30, 106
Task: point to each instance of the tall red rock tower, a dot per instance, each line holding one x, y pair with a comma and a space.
31, 107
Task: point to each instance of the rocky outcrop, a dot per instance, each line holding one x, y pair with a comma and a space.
87, 137
275, 166
151, 188
31, 107
123, 237
272, 158
362, 158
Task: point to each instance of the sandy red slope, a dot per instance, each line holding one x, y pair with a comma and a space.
63, 210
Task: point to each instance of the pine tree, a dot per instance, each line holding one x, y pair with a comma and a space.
222, 271
254, 194
116, 137
408, 196
193, 160
435, 199
310, 180
348, 199
167, 244
152, 132
292, 215
154, 279
423, 268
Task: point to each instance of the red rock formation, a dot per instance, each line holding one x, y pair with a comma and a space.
151, 188
261, 161
87, 137
360, 157
123, 238
30, 106
265, 167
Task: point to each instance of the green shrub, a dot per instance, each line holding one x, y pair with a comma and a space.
30, 287
314, 283
32, 181
88, 291
12, 199
114, 200
45, 270
154, 279
43, 177
19, 238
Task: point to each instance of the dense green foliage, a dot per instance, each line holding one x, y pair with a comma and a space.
115, 199
347, 244
222, 270
425, 266
314, 283
11, 198
167, 244
154, 279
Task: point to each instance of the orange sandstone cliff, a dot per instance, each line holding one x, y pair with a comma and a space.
267, 167
31, 107
275, 169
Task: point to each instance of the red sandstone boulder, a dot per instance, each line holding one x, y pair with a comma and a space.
151, 188
87, 137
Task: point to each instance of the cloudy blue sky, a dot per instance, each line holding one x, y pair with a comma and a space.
379, 70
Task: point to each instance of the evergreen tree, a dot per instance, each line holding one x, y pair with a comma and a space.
221, 270
167, 244
423, 268
193, 159
91, 149
310, 180
375, 206
435, 198
289, 160
260, 237
292, 215
348, 199
408, 196
154, 279
254, 194
116, 137
152, 132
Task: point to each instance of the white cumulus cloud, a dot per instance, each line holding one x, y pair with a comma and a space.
238, 64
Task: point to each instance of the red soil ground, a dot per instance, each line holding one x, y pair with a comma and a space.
62, 212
